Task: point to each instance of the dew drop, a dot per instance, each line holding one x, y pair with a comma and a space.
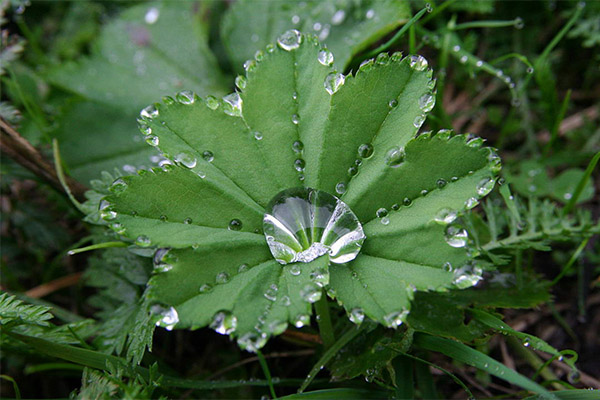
392, 103
298, 146
479, 64
320, 277
243, 268
212, 102
290, 40
187, 221
340, 188
445, 216
395, 206
441, 183
166, 317
302, 224
301, 320
407, 202
418, 122
240, 82
152, 140
224, 323
352, 171
395, 319
186, 159
385, 221
485, 186
205, 288
208, 156
235, 225
382, 212
271, 293
143, 241
427, 102
118, 186
471, 202
357, 316
299, 164
277, 327
325, 57
447, 267
395, 157
295, 119
456, 236
333, 82
365, 150
382, 59
370, 13
222, 277
186, 97
252, 341
418, 63
149, 112
258, 135
233, 104
311, 293
463, 59
295, 270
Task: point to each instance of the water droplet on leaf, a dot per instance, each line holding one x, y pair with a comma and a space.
302, 224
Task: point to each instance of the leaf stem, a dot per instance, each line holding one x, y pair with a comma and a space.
324, 321
103, 245
267, 372
329, 353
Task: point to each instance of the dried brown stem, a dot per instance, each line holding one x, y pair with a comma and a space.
19, 149
52, 286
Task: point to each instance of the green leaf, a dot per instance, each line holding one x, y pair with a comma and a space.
295, 121
467, 355
250, 303
177, 208
575, 394
85, 148
17, 312
345, 28
133, 64
134, 60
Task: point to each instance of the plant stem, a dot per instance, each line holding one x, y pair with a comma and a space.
324, 321
267, 372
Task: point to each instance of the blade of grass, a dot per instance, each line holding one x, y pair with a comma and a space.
267, 372
329, 353
397, 36
487, 24
14, 383
324, 321
339, 393
581, 185
559, 118
61, 176
465, 354
571, 261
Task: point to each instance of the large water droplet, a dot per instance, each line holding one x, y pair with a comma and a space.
186, 159
301, 320
252, 341
186, 97
333, 82
445, 216
311, 293
290, 40
418, 63
365, 150
224, 322
165, 316
395, 157
325, 57
302, 224
467, 276
427, 102
143, 241
233, 105
485, 186
456, 236
357, 315
395, 319
149, 112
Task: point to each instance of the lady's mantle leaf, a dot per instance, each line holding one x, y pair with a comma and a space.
238, 290
345, 28
295, 121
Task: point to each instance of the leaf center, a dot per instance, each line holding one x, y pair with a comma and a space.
301, 224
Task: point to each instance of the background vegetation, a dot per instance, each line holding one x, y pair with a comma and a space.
522, 75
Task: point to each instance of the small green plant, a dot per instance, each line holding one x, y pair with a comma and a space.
299, 203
